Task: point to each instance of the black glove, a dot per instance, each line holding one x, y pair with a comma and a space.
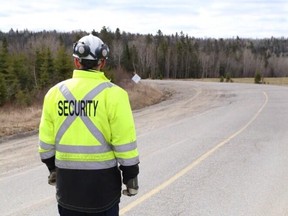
131, 187
52, 178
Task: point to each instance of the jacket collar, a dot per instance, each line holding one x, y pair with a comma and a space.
90, 74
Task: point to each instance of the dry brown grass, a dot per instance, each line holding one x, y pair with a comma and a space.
283, 81
15, 120
142, 95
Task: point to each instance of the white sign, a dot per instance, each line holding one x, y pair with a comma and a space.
136, 78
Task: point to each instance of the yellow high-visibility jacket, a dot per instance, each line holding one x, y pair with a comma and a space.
87, 125
90, 123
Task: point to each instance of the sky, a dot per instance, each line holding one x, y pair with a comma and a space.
201, 19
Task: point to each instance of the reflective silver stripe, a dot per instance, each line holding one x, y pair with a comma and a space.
49, 150
46, 155
69, 120
125, 147
46, 146
85, 165
87, 121
65, 125
94, 130
128, 162
97, 90
83, 149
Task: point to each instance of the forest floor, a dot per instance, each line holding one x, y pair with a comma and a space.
15, 121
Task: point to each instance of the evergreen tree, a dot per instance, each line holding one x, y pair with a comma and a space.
63, 65
21, 70
117, 34
106, 35
3, 91
46, 70
126, 59
39, 59
10, 78
4, 58
13, 85
3, 71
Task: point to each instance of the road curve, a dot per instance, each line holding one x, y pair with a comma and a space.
211, 149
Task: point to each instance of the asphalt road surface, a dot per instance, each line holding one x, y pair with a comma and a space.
218, 149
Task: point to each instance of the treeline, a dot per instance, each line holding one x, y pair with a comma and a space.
31, 62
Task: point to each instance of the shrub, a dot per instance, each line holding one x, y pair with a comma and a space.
228, 78
257, 78
3, 92
23, 99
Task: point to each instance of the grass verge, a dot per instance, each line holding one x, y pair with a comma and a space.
25, 120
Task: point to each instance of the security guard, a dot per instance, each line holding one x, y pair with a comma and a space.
87, 137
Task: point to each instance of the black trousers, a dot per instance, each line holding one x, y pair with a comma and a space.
114, 211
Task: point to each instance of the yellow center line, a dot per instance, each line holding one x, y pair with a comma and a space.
193, 164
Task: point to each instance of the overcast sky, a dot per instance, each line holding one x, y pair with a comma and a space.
203, 18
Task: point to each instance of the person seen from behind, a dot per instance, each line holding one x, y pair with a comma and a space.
87, 137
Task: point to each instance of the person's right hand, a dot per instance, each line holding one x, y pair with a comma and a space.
130, 192
52, 178
131, 187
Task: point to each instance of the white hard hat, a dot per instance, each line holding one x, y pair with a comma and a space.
90, 47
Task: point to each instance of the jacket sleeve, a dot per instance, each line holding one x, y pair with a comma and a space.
46, 146
50, 163
129, 172
123, 133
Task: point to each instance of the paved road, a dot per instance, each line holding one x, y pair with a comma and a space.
212, 149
